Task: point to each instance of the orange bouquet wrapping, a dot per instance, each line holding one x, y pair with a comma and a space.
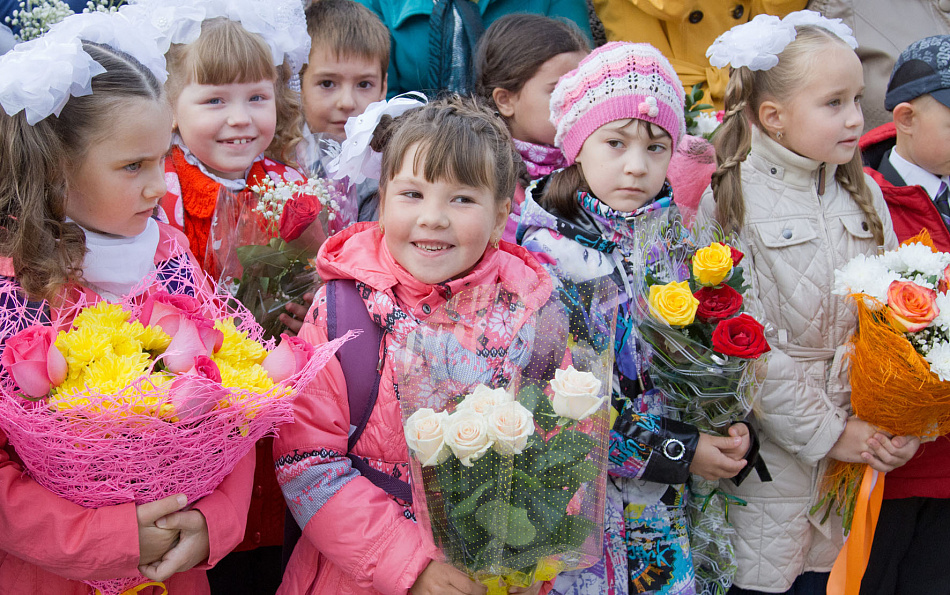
900, 378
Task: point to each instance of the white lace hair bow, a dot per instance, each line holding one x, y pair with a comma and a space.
758, 43
39, 76
281, 23
357, 160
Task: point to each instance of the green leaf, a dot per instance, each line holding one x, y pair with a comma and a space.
447, 475
547, 506
521, 531
468, 506
584, 471
252, 255
696, 92
544, 414
530, 396
527, 560
493, 517
574, 531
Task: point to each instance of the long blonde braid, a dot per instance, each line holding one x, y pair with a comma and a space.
733, 142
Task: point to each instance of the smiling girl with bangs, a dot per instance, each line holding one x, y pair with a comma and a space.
236, 120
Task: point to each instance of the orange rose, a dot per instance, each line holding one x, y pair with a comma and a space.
912, 307
944, 284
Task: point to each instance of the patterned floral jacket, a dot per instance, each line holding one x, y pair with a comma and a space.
646, 544
356, 538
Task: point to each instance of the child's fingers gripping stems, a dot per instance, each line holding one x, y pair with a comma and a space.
711, 462
888, 453
155, 541
440, 578
742, 439
192, 548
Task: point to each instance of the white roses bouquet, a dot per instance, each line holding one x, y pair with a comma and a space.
507, 437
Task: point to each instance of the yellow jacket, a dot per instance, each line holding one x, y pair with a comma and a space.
683, 29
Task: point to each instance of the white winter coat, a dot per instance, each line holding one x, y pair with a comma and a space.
794, 240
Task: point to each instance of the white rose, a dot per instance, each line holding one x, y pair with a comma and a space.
466, 433
576, 394
509, 425
424, 435
483, 399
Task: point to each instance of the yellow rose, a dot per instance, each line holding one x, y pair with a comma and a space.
712, 264
673, 303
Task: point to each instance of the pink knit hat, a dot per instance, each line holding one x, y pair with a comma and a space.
617, 81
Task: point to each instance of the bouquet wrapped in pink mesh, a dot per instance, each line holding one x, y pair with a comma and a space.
506, 416
161, 394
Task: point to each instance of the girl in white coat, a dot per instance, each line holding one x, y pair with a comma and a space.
802, 207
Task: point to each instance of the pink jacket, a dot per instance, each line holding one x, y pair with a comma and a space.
45, 540
356, 538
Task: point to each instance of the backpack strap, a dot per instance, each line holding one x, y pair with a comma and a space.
346, 310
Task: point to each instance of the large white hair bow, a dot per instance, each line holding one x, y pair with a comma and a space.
281, 23
40, 75
758, 43
357, 160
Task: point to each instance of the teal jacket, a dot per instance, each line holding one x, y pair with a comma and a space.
408, 23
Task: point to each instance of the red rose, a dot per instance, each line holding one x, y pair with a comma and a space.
717, 303
298, 214
741, 336
736, 256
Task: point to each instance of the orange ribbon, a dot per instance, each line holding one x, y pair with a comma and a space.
139, 588
852, 561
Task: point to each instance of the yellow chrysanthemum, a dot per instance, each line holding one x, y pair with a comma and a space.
111, 374
152, 338
252, 378
125, 345
83, 345
237, 350
73, 384
102, 315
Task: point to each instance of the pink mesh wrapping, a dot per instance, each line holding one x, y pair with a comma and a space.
95, 458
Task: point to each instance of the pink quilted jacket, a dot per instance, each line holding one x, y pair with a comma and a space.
45, 540
357, 539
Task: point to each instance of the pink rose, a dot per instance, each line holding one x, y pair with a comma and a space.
167, 312
185, 347
911, 308
198, 390
161, 304
288, 358
943, 285
33, 360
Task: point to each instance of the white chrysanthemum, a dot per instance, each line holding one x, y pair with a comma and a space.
706, 123
865, 274
942, 321
922, 280
916, 258
939, 359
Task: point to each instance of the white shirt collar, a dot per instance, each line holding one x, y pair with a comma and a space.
115, 265
914, 175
